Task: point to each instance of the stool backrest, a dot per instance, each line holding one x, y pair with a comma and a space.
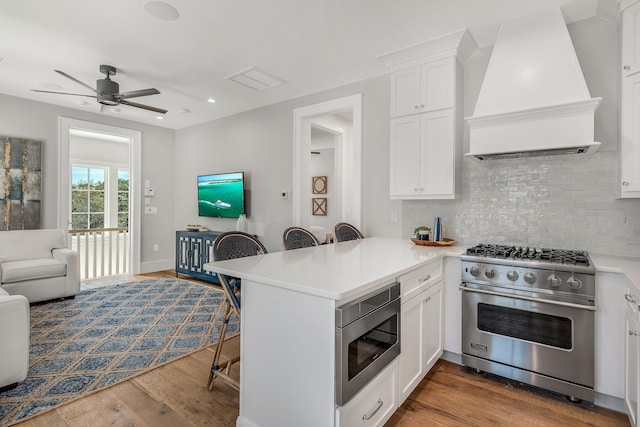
345, 231
298, 237
231, 245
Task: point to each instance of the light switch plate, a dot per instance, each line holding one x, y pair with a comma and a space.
149, 192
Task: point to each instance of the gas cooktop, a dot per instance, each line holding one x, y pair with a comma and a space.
555, 256
531, 257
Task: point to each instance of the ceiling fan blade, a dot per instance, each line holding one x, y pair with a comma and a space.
63, 93
137, 93
146, 107
62, 73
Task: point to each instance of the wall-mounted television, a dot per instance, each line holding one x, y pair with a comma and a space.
221, 195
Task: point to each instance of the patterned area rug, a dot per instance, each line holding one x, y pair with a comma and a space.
110, 334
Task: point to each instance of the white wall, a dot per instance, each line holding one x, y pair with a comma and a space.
36, 120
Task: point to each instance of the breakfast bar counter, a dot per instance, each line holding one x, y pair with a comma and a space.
337, 271
288, 326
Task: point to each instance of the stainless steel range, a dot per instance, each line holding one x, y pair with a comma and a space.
528, 314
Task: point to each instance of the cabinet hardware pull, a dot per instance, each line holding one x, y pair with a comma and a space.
428, 299
373, 412
625, 183
424, 279
630, 298
627, 67
416, 107
632, 333
421, 105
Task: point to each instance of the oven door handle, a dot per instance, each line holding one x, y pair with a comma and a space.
546, 301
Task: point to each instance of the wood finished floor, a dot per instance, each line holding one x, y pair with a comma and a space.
176, 395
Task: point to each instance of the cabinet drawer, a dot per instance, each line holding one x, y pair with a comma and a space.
374, 404
414, 282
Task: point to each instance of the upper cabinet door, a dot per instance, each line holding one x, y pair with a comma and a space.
630, 137
631, 40
405, 92
437, 84
422, 88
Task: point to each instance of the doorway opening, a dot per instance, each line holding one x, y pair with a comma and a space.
328, 147
99, 169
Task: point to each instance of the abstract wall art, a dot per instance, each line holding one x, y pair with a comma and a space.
20, 183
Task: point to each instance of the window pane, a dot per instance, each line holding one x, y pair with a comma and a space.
96, 178
123, 202
123, 180
79, 200
96, 201
79, 177
96, 220
123, 220
79, 221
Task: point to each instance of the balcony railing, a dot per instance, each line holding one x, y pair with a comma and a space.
103, 251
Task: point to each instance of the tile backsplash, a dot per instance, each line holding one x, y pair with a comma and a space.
558, 201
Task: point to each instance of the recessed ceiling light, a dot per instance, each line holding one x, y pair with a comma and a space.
161, 10
49, 86
159, 117
211, 101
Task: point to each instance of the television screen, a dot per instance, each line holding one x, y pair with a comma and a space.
221, 195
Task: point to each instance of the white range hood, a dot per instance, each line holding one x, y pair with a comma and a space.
534, 100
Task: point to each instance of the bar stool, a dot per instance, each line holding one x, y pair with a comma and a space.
230, 245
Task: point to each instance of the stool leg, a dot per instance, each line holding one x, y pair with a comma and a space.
218, 352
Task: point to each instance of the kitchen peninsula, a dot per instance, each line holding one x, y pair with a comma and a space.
287, 365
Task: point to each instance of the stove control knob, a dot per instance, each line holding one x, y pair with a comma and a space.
574, 283
554, 281
475, 271
530, 278
490, 273
512, 275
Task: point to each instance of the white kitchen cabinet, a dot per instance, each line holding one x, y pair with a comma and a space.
421, 88
423, 156
632, 360
375, 403
630, 103
421, 327
426, 104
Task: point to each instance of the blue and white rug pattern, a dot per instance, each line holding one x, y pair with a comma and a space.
110, 334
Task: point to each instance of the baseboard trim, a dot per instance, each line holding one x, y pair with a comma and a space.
160, 265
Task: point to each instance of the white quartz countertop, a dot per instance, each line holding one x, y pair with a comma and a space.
623, 265
336, 271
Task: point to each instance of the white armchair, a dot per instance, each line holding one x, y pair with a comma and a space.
38, 264
14, 339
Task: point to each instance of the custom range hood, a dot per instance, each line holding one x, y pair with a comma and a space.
534, 100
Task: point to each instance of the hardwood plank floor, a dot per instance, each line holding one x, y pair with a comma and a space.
176, 395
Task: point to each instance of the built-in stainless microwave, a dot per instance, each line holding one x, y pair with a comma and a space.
367, 339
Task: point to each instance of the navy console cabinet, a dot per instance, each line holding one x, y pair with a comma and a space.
193, 250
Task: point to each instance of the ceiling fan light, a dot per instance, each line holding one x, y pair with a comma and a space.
161, 10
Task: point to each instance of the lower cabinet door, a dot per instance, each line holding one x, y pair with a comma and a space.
374, 404
432, 334
411, 369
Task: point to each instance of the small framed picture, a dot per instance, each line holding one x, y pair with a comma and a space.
319, 206
319, 184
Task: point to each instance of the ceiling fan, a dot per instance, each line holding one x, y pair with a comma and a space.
106, 91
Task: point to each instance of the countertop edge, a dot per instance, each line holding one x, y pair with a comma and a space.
628, 266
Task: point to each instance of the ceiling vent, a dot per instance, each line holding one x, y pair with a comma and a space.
256, 79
